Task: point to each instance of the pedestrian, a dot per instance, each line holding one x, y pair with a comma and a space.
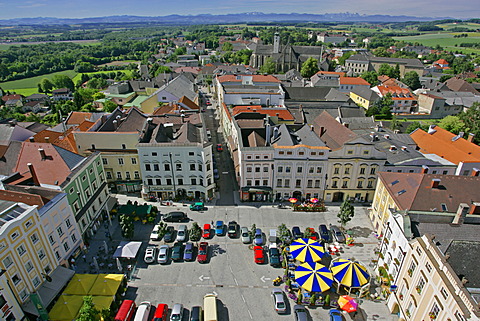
84, 257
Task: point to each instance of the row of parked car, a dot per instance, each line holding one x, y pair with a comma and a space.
178, 252
127, 312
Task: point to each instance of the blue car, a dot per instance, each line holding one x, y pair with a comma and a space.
258, 237
219, 228
188, 252
336, 315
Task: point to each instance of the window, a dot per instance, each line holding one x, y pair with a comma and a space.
319, 170
287, 183
109, 175
281, 152
257, 169
136, 175
29, 266
36, 281
41, 254
265, 169
169, 181
66, 246
84, 178
459, 316
249, 169
16, 279
301, 153
309, 183
200, 167
180, 181
249, 157
104, 161
208, 167
47, 269
178, 167
7, 262
192, 167
298, 183
149, 181
289, 153
280, 169
57, 255
362, 171
14, 235
68, 223
133, 160
334, 184
287, 169
148, 167
279, 182
349, 152
444, 293
434, 311
249, 182
347, 170
345, 184
428, 267
311, 170
191, 154
257, 182
420, 285
372, 171
154, 154
370, 184
119, 175
156, 167
74, 238
193, 181
336, 170
120, 161
166, 167
317, 183
257, 156
34, 238
299, 169
360, 184
124, 146
21, 250
158, 181
127, 175
265, 182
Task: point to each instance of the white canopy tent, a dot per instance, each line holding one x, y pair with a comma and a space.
127, 250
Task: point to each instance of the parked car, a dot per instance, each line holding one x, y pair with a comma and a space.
175, 217
279, 301
272, 236
232, 229
325, 233
274, 254
245, 234
337, 234
182, 233
335, 315
219, 228
150, 254
196, 313
154, 234
300, 313
188, 252
258, 255
143, 311
215, 174
177, 252
161, 312
296, 232
258, 238
163, 254
219, 148
202, 252
207, 231
169, 234
177, 312
199, 206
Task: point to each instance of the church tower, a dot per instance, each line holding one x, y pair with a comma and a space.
276, 43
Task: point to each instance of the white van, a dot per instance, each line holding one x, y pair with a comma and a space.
272, 236
210, 307
143, 311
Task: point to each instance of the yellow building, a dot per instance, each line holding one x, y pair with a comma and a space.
364, 97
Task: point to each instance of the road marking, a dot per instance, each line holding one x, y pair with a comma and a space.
249, 313
201, 278
263, 279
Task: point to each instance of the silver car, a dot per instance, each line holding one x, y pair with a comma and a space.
150, 254
337, 234
163, 254
181, 233
177, 312
279, 301
245, 235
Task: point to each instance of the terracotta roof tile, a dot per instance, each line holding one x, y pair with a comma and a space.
353, 81
52, 135
77, 117
440, 143
29, 199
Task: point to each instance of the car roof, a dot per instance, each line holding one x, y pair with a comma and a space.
258, 230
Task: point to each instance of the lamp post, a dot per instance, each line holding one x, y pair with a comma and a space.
173, 175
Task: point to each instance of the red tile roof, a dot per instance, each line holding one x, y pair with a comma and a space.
283, 114
77, 117
256, 78
330, 73
40, 137
440, 143
353, 81
398, 93
29, 199
441, 62
6, 98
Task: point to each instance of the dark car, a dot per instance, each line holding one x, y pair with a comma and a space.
296, 232
274, 254
300, 313
196, 314
232, 229
219, 148
335, 315
325, 233
169, 234
175, 217
188, 252
177, 251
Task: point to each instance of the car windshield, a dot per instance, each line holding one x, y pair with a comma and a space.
162, 255
202, 252
188, 251
175, 317
181, 233
280, 305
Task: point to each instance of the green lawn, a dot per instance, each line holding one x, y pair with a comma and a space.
470, 25
445, 40
32, 82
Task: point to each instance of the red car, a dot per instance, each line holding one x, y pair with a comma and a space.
313, 233
219, 148
259, 255
207, 231
202, 252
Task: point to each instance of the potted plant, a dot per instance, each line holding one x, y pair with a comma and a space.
326, 303
432, 315
419, 289
410, 272
299, 298
313, 299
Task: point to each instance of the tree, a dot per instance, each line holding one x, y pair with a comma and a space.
381, 108
395, 123
284, 233
126, 225
88, 312
395, 72
347, 211
227, 46
452, 124
371, 77
268, 66
109, 106
471, 118
414, 125
385, 69
62, 81
309, 67
46, 85
412, 80
195, 233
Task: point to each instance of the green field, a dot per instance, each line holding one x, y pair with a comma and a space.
470, 25
445, 40
33, 81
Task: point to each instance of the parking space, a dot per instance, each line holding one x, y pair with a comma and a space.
243, 286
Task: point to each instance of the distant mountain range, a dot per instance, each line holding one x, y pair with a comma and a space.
218, 19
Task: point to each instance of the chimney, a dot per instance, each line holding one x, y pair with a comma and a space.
431, 129
31, 139
460, 215
387, 136
312, 128
268, 133
47, 139
424, 169
435, 183
460, 134
115, 124
475, 172
346, 124
36, 182
474, 208
470, 137
42, 153
322, 131
300, 108
392, 148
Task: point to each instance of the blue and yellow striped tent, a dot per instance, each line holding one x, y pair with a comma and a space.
313, 277
307, 250
349, 273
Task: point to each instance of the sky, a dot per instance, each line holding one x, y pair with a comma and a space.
96, 8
